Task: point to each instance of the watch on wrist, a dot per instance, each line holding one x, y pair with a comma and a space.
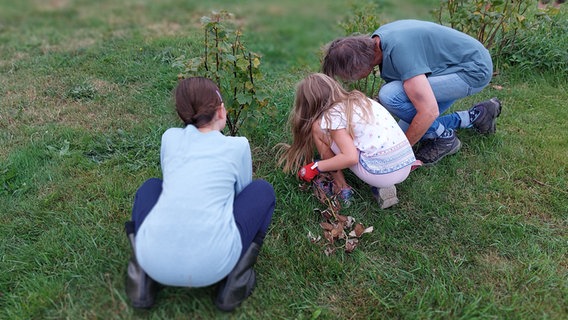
315, 166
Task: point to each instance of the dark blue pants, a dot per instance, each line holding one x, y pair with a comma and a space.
252, 208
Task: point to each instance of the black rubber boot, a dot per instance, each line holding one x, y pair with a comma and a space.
238, 285
140, 288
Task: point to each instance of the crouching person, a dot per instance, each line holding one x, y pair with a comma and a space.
205, 222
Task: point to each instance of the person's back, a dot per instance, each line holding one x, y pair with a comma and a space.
382, 143
349, 130
204, 222
413, 47
191, 230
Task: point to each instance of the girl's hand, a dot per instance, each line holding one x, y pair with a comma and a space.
309, 171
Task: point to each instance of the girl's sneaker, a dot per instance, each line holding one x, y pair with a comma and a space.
325, 184
346, 196
386, 197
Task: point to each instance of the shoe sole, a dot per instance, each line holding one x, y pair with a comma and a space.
453, 151
495, 115
388, 203
228, 307
386, 197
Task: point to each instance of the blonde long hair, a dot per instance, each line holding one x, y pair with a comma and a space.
315, 96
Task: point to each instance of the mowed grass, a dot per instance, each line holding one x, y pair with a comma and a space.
85, 94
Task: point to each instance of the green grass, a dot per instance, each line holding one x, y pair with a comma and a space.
85, 95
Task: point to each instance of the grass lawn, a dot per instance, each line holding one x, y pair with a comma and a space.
85, 94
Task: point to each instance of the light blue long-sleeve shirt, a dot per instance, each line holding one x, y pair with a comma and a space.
190, 237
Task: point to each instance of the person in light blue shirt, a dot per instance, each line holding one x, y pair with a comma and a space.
204, 222
426, 68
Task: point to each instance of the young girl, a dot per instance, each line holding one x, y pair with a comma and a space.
205, 222
348, 130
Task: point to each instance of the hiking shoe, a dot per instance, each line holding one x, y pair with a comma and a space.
386, 197
432, 151
485, 114
346, 196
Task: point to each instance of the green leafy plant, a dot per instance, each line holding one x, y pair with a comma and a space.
510, 32
82, 91
9, 183
234, 68
539, 47
362, 20
487, 21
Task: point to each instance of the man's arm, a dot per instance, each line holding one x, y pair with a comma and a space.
422, 97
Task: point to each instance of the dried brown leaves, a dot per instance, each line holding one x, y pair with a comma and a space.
339, 231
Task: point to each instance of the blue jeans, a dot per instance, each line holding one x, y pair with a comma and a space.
447, 89
252, 208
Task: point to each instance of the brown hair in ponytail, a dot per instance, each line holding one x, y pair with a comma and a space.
197, 99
